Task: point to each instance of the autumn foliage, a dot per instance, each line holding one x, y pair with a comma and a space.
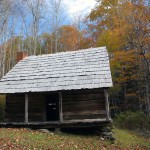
123, 26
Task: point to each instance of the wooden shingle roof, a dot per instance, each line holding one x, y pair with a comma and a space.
83, 69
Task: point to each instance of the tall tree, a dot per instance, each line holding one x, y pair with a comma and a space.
36, 9
69, 38
5, 7
57, 10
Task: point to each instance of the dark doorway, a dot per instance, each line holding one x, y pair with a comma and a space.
52, 107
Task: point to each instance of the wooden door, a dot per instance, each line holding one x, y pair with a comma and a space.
52, 107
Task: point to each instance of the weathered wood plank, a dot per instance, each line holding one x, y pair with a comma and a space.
18, 114
84, 104
85, 112
26, 107
107, 104
15, 95
37, 104
80, 109
68, 123
60, 107
14, 111
83, 97
85, 91
76, 117
15, 107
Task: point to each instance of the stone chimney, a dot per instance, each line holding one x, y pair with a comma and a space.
21, 55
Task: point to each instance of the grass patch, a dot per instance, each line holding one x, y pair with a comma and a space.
131, 140
29, 139
132, 120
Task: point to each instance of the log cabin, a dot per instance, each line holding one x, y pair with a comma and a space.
58, 90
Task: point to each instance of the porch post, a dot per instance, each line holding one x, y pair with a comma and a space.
107, 105
26, 107
60, 107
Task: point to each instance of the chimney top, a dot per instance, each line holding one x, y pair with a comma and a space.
21, 56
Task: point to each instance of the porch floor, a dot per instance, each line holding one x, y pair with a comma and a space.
58, 124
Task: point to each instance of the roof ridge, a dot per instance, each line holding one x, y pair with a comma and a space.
68, 52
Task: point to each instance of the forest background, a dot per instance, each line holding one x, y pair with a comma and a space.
123, 26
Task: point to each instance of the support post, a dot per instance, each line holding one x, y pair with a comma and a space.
26, 107
107, 105
60, 107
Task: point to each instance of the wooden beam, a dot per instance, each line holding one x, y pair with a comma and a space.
60, 107
26, 107
107, 105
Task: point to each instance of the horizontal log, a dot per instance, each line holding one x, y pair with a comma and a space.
84, 103
36, 118
15, 120
96, 112
15, 100
15, 111
36, 105
96, 116
82, 108
15, 104
37, 94
15, 115
36, 111
23, 115
16, 95
69, 100
36, 114
83, 97
84, 91
35, 99
36, 108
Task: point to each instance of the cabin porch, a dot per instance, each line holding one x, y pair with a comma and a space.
91, 123
58, 109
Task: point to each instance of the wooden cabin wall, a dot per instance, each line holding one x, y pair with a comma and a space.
15, 107
83, 104
37, 104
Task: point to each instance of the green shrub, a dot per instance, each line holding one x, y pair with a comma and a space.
2, 107
132, 120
